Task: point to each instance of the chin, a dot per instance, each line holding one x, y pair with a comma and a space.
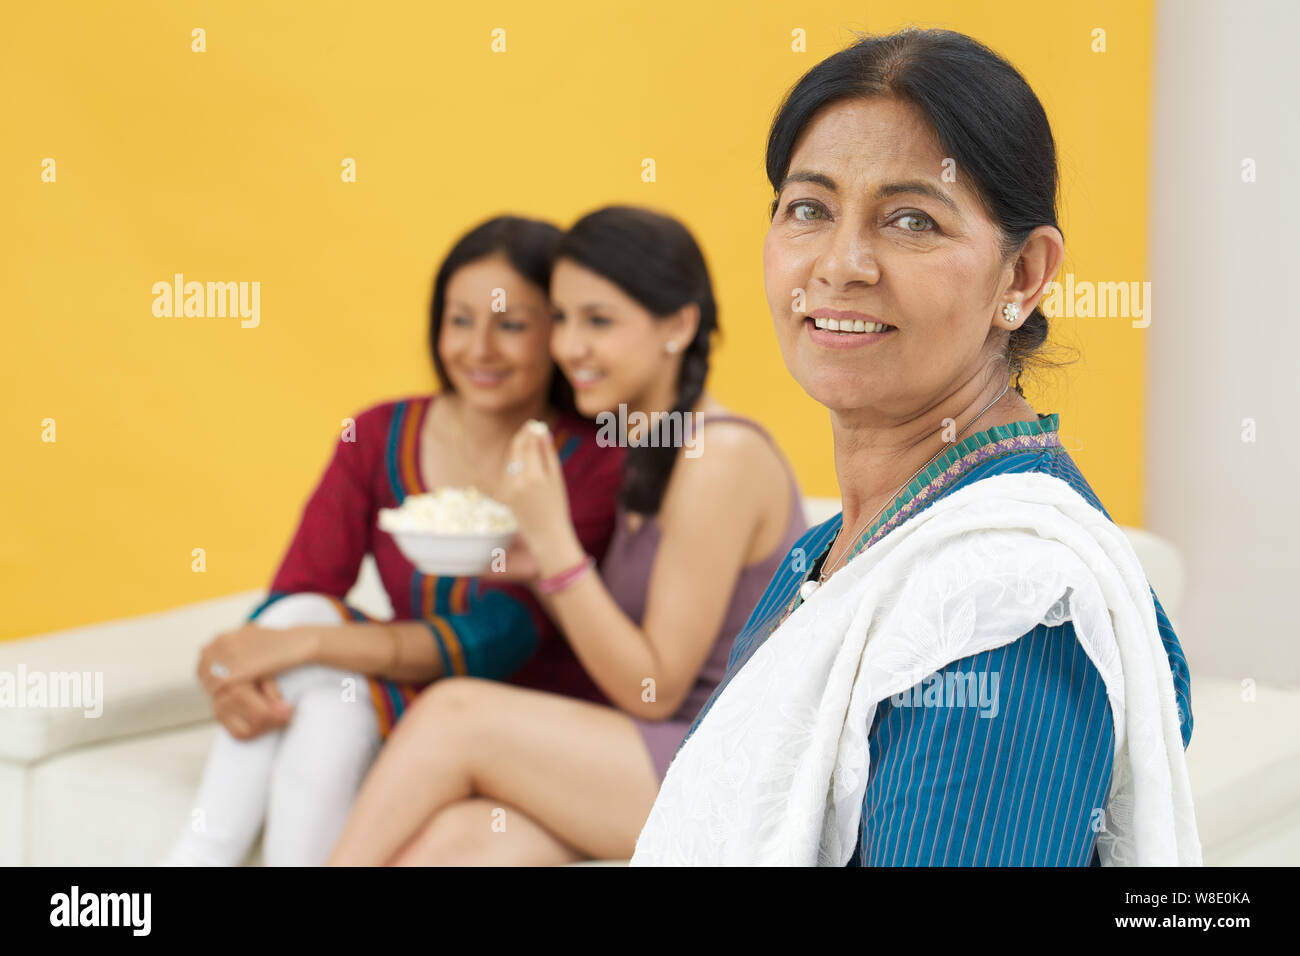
592, 401
589, 405
491, 400
837, 395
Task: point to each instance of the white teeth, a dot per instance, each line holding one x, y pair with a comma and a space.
849, 325
583, 375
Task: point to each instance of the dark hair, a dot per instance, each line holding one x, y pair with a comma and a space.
529, 246
655, 260
985, 116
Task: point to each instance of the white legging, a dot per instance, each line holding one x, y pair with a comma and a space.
300, 780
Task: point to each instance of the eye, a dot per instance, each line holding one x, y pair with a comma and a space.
816, 211
920, 217
512, 326
461, 320
600, 321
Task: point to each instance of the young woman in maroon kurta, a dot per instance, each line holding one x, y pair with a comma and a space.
479, 627
289, 687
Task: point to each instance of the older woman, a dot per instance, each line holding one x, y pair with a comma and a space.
967, 665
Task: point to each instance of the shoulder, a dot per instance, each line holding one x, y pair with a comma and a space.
718, 485
727, 448
1053, 461
372, 435
716, 455
1058, 463
1048, 660
1025, 724
379, 416
1038, 696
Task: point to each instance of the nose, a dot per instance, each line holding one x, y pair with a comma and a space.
848, 258
567, 342
483, 340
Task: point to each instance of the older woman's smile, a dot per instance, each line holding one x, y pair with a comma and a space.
844, 332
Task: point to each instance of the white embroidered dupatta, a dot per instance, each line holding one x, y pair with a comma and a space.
776, 771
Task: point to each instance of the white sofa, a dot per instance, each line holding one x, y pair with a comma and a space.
113, 790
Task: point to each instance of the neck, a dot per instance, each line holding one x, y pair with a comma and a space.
492, 428
876, 454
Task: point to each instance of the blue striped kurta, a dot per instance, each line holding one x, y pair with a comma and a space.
1021, 782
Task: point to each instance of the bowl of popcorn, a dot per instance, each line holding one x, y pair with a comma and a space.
451, 532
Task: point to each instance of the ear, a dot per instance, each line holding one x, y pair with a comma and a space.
682, 325
1029, 273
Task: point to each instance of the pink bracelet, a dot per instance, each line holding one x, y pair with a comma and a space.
559, 582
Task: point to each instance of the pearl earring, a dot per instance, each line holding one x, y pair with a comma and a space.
1011, 312
671, 348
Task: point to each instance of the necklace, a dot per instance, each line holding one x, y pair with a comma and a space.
807, 589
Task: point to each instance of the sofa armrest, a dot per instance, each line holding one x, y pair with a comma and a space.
109, 680
131, 676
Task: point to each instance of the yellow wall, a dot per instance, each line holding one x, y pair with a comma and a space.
174, 434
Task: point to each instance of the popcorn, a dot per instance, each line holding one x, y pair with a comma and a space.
538, 427
449, 511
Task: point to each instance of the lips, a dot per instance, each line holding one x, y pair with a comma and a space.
484, 378
584, 378
828, 339
850, 325
838, 317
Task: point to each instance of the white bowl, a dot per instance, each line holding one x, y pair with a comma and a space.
452, 555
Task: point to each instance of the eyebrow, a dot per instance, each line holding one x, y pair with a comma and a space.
917, 186
510, 310
590, 307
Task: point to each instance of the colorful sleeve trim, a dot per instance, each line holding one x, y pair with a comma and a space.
346, 612
389, 698
493, 641
448, 645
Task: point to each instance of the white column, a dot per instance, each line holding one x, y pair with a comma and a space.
1224, 339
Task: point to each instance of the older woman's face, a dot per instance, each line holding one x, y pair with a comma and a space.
866, 231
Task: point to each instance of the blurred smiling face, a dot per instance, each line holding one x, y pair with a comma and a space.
868, 229
608, 345
495, 360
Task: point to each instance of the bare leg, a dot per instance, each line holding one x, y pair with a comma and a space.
484, 832
577, 769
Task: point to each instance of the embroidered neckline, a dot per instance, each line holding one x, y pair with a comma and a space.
992, 442
956, 461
